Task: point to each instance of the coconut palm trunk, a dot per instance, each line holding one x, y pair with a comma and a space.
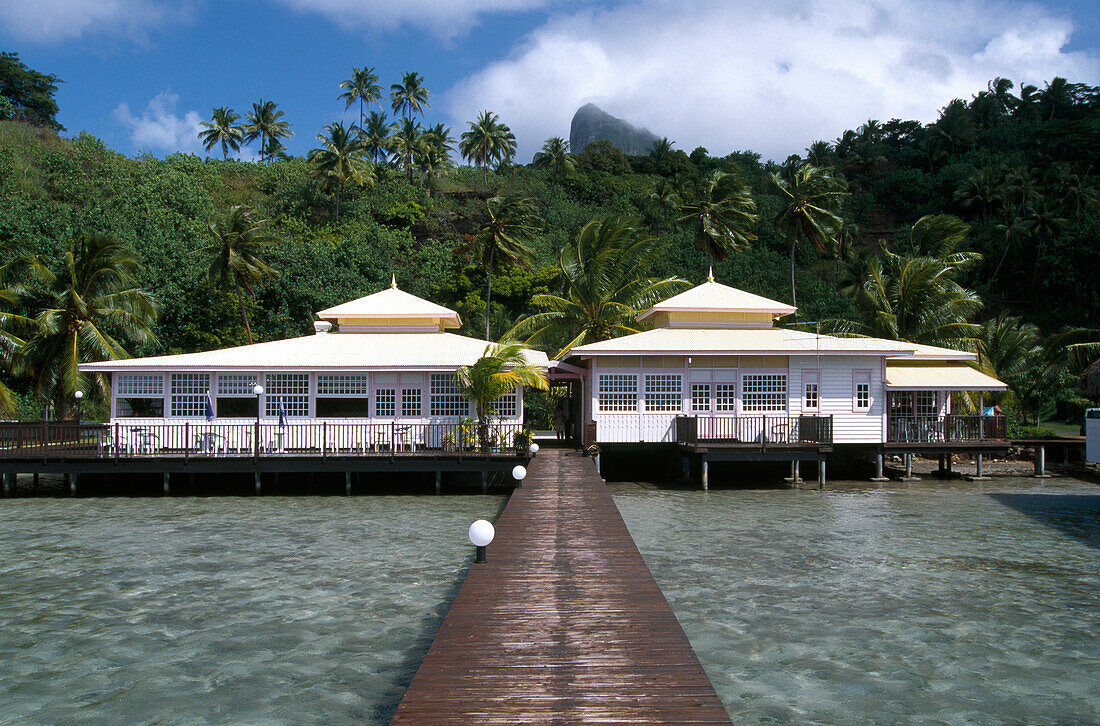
244, 313
794, 297
489, 289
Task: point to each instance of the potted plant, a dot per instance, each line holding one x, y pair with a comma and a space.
449, 441
521, 440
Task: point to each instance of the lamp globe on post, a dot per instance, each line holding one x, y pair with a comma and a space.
79, 396
518, 473
259, 391
534, 449
481, 534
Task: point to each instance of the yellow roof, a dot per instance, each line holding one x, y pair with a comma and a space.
715, 297
390, 304
957, 377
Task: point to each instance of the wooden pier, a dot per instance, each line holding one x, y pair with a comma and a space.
563, 624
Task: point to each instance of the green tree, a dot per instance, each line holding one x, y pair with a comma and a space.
410, 96
86, 311
30, 93
606, 282
501, 369
341, 161
265, 124
719, 210
488, 141
17, 267
811, 201
362, 87
222, 129
555, 157
662, 197
376, 136
512, 224
407, 144
236, 255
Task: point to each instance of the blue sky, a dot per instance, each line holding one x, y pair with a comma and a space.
768, 76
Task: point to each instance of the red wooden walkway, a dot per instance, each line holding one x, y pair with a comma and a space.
564, 624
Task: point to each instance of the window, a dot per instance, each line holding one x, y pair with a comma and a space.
811, 394
445, 398
618, 392
664, 392
862, 385
235, 398
508, 405
762, 392
385, 402
290, 390
700, 396
189, 394
725, 397
139, 395
342, 395
410, 401
927, 403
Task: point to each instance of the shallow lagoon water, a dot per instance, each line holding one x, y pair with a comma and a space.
929, 603
226, 610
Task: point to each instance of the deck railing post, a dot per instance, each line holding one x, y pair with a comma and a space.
324, 440
256, 441
186, 440
116, 442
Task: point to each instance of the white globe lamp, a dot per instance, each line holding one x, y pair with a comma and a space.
534, 449
481, 534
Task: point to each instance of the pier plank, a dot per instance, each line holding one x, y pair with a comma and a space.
563, 624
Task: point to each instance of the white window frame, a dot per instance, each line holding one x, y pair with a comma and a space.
385, 402
811, 378
149, 386
408, 399
725, 397
291, 389
861, 378
508, 405
703, 389
617, 392
188, 394
664, 392
769, 391
921, 408
444, 398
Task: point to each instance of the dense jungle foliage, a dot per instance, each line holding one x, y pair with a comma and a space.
1020, 170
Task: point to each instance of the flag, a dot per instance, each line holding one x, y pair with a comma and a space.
210, 414
282, 412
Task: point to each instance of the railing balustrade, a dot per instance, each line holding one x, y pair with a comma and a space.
951, 427
125, 440
759, 430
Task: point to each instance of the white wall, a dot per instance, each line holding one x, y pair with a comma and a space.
837, 391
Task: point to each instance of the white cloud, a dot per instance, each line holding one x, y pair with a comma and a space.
767, 76
159, 128
445, 18
58, 20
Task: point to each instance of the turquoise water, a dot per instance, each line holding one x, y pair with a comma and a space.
229, 610
930, 603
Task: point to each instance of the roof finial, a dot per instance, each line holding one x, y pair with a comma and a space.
393, 281
710, 274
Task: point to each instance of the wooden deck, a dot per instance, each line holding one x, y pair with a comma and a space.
564, 624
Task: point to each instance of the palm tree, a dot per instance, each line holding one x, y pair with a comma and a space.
341, 161
820, 153
376, 136
87, 309
236, 255
659, 153
956, 124
810, 213
939, 236
1046, 224
434, 157
982, 190
17, 268
720, 210
223, 129
605, 276
512, 225
1011, 229
488, 141
663, 195
407, 144
362, 87
556, 157
410, 96
501, 369
264, 123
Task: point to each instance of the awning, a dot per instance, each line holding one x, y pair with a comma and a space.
939, 378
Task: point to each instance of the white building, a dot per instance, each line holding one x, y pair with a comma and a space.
716, 361
379, 372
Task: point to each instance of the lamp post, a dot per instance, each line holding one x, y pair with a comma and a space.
534, 449
259, 391
481, 534
518, 473
79, 396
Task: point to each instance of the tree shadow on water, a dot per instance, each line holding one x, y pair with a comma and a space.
1077, 515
